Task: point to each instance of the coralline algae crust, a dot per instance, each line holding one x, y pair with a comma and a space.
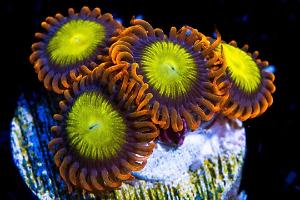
172, 165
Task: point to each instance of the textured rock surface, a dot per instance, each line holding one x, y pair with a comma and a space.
207, 166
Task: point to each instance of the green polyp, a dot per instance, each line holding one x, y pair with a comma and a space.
169, 67
75, 41
94, 128
243, 69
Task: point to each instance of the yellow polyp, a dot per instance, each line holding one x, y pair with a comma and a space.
169, 67
242, 68
75, 41
94, 128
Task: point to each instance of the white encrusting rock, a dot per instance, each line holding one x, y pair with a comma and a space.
171, 165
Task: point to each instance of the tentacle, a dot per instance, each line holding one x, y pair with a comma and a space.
123, 57
216, 100
268, 75
165, 117
146, 136
180, 123
134, 75
209, 105
76, 89
35, 47
198, 46
145, 146
120, 175
59, 17
95, 182
172, 33
118, 47
182, 35
200, 112
107, 17
46, 26
124, 85
82, 84
213, 45
58, 117
42, 73
54, 142
233, 43
141, 93
159, 33
55, 130
74, 169
192, 37
246, 114
230, 109
135, 158
127, 40
58, 155
129, 89
63, 106
51, 20
96, 12
245, 47
85, 11
48, 80
63, 169
139, 124
108, 181
145, 101
122, 45
141, 149
41, 36
270, 86
74, 77
263, 104
174, 120
238, 112
64, 81
55, 84
109, 71
115, 78
85, 69
255, 110
38, 65
137, 114
144, 24
132, 167
268, 97
255, 54
155, 114
190, 120
71, 11
83, 180
68, 96
131, 98
136, 30
213, 61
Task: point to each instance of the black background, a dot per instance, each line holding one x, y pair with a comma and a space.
272, 161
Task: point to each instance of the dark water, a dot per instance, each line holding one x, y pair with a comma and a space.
272, 163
